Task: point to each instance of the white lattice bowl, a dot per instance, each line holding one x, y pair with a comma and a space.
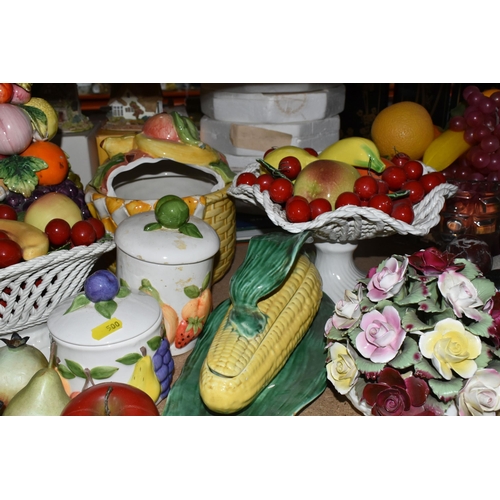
30, 290
336, 234
349, 223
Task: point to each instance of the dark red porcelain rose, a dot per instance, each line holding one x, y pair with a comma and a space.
392, 395
433, 262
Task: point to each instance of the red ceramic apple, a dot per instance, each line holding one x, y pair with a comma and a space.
161, 126
325, 179
111, 399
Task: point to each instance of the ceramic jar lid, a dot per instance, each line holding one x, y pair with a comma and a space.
136, 313
165, 246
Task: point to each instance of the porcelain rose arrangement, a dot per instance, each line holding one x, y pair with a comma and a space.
420, 335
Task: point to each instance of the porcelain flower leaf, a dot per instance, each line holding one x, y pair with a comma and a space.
425, 370
407, 356
332, 333
485, 289
417, 292
483, 360
368, 367
481, 326
446, 390
469, 270
412, 323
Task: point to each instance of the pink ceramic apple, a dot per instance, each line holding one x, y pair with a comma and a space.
325, 179
51, 206
161, 126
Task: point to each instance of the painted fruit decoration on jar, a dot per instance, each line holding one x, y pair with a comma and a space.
182, 330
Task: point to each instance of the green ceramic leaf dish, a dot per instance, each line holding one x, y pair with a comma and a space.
301, 381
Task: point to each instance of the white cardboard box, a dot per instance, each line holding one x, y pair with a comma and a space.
254, 139
272, 103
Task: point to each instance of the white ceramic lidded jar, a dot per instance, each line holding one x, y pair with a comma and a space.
174, 267
113, 349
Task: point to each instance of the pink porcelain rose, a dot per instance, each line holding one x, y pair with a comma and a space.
460, 294
387, 282
481, 394
381, 335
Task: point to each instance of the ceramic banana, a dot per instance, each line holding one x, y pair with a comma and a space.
445, 149
356, 151
33, 241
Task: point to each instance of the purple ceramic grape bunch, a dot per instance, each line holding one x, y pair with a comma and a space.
164, 367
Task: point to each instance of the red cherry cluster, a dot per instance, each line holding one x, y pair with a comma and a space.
84, 232
58, 231
280, 188
401, 185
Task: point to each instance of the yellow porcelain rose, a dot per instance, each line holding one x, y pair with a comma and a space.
451, 347
341, 371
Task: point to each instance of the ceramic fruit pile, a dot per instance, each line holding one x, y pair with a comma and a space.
470, 148
32, 385
42, 203
349, 172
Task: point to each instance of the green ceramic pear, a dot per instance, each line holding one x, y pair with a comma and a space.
44, 395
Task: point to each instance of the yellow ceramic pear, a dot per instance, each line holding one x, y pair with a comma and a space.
144, 376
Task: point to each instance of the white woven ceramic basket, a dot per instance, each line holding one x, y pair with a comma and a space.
30, 290
349, 223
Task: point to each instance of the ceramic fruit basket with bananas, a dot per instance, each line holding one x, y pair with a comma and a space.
109, 333
166, 157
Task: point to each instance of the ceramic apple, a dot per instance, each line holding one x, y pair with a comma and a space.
51, 206
161, 126
325, 179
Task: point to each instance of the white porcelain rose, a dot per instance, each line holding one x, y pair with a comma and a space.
347, 310
460, 294
481, 394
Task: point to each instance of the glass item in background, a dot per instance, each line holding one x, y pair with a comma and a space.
474, 210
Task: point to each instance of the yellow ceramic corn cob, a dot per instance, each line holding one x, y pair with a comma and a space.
238, 366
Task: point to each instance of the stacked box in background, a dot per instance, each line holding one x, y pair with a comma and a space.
243, 121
